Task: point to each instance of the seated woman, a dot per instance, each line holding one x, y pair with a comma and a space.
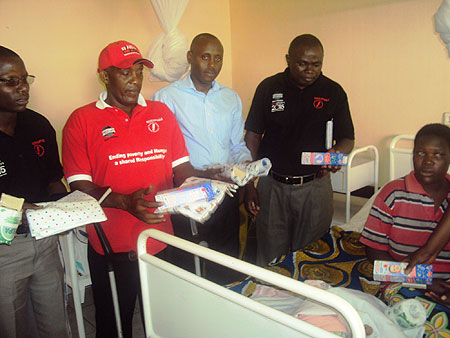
408, 210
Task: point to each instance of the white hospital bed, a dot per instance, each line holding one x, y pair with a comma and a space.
178, 303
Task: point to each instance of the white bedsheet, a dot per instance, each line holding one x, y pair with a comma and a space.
370, 309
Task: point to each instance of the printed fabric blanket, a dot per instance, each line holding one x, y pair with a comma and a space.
339, 259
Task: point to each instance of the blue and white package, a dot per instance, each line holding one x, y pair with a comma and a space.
184, 195
319, 158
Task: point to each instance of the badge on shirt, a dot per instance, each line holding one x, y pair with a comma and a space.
152, 125
108, 133
319, 102
277, 102
38, 147
2, 168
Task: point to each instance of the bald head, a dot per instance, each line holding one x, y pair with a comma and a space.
201, 38
6, 53
205, 58
304, 41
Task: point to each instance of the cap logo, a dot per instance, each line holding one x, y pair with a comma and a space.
129, 49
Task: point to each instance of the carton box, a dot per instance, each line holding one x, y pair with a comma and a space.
317, 158
395, 272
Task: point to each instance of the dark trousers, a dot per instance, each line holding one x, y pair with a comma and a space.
221, 232
128, 288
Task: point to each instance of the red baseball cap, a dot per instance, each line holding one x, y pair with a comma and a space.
121, 54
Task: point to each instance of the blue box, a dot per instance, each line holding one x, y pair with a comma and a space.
317, 158
387, 271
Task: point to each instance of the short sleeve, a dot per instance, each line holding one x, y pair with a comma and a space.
180, 153
74, 149
342, 121
54, 168
256, 117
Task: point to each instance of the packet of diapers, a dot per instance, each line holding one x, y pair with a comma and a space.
317, 158
407, 313
388, 271
197, 198
10, 217
242, 173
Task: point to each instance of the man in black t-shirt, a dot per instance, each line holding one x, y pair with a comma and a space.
30, 270
289, 115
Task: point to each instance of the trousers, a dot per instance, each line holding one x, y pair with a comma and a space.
31, 269
128, 285
291, 216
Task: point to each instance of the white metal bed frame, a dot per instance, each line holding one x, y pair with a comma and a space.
358, 173
400, 159
178, 303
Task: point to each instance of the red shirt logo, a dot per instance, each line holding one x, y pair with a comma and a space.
153, 127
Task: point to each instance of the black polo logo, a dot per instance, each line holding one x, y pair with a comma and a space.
39, 147
319, 102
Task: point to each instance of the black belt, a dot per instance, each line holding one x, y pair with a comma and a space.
297, 180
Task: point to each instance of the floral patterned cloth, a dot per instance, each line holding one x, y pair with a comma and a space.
340, 260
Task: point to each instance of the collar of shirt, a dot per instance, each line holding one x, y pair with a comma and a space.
414, 186
101, 104
186, 83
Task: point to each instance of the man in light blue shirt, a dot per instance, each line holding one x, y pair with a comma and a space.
210, 117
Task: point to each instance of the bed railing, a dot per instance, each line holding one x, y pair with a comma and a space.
178, 303
400, 159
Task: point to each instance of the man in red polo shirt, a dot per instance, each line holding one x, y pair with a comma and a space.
135, 147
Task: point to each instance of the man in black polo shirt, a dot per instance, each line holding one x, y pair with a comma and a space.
29, 168
289, 115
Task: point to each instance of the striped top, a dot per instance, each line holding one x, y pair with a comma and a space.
402, 219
